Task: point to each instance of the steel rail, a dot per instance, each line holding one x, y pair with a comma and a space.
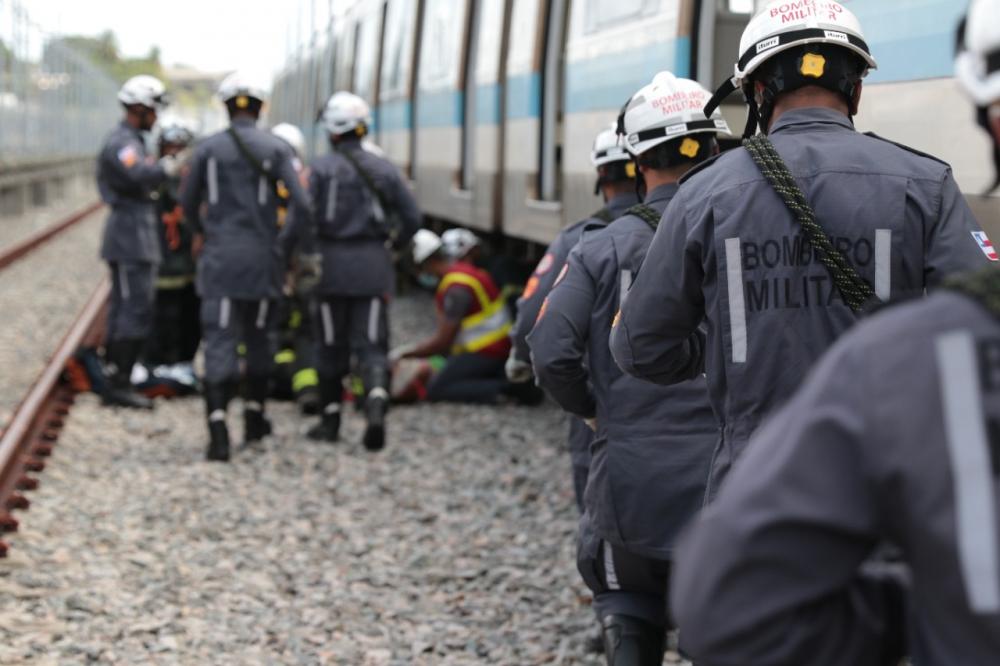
18, 249
34, 427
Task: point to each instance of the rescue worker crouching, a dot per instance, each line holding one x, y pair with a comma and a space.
240, 268
780, 259
616, 184
170, 350
363, 211
126, 178
473, 328
891, 438
653, 446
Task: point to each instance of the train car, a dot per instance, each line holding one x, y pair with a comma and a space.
489, 106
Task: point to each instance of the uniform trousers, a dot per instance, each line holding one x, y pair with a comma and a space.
580, 437
623, 582
227, 322
130, 310
472, 378
346, 326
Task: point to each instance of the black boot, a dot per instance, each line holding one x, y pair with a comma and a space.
629, 641
216, 400
328, 429
330, 394
122, 356
256, 425
376, 405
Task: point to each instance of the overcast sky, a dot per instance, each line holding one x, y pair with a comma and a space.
250, 35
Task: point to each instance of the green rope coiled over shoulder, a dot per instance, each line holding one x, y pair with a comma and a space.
982, 286
645, 213
854, 289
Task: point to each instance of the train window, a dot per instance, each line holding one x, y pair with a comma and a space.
740, 6
398, 48
602, 14
523, 38
439, 58
489, 33
367, 57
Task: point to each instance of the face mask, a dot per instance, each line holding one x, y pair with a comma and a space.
427, 281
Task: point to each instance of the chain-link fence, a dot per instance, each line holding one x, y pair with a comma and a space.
54, 103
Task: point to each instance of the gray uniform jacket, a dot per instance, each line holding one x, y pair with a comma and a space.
548, 268
353, 243
894, 435
651, 456
242, 256
731, 254
125, 181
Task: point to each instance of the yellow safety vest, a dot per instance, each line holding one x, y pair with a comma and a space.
484, 328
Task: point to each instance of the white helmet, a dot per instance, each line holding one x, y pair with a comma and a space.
425, 244
176, 131
144, 90
457, 242
238, 85
608, 148
291, 135
346, 112
783, 25
667, 109
978, 63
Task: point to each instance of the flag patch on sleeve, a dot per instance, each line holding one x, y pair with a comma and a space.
985, 245
128, 155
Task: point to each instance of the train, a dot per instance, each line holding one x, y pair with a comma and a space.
489, 107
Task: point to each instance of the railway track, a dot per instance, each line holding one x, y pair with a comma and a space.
33, 429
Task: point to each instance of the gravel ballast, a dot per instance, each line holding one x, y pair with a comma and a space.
42, 294
455, 545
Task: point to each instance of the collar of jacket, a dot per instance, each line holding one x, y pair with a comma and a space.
622, 202
243, 122
350, 144
661, 193
134, 130
797, 118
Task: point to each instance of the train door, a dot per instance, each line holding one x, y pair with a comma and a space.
486, 113
368, 52
396, 82
471, 56
525, 214
553, 96
414, 77
440, 111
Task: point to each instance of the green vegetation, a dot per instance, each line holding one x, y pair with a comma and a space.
104, 52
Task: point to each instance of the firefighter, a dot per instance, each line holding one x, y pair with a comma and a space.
781, 244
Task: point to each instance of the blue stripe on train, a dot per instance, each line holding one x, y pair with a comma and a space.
910, 40
596, 84
606, 82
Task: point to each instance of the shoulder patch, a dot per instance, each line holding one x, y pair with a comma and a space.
545, 265
984, 243
129, 155
907, 148
700, 167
